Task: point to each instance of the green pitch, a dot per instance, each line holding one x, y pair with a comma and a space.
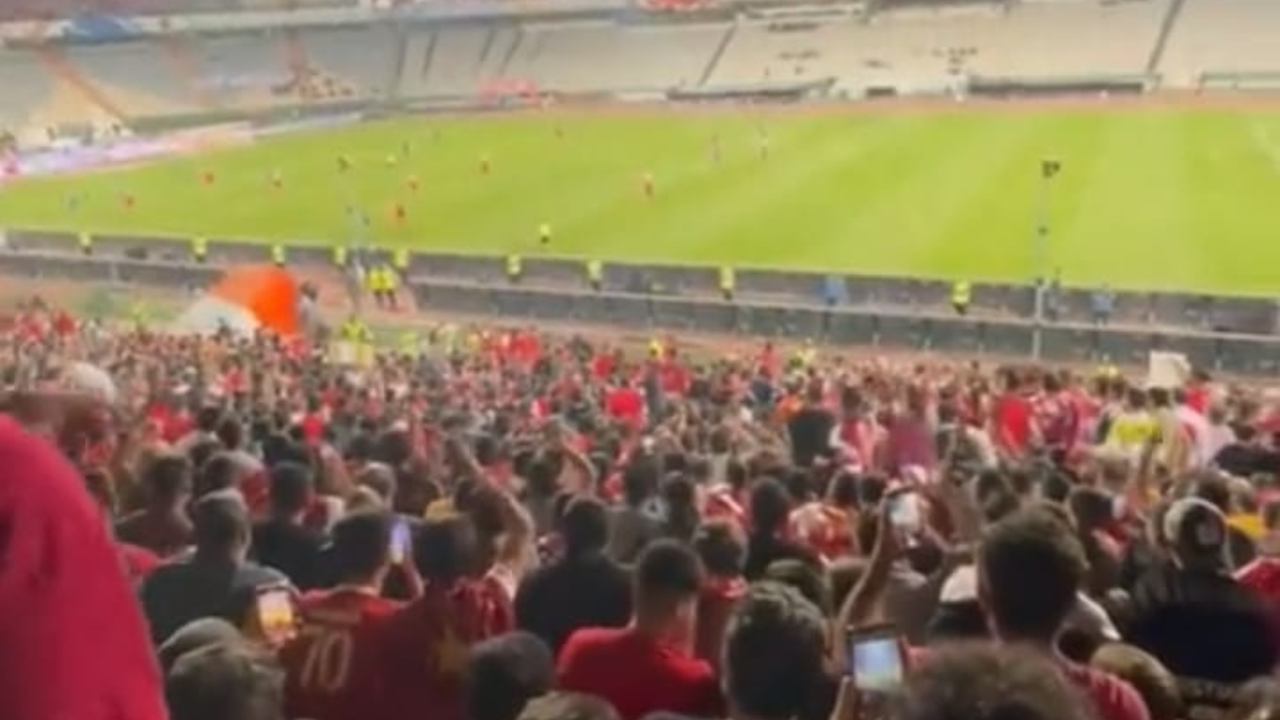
1147, 198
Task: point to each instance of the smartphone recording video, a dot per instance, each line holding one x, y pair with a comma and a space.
275, 615
904, 512
401, 536
875, 659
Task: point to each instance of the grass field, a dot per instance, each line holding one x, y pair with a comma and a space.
1150, 197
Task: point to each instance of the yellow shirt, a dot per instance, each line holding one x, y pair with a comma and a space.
1132, 430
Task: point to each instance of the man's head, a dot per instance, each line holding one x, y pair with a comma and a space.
225, 681
447, 550
221, 526
668, 578
773, 652
720, 546
770, 506
291, 489
168, 481
506, 672
362, 547
988, 682
196, 635
568, 706
1030, 567
379, 478
222, 471
1196, 533
584, 526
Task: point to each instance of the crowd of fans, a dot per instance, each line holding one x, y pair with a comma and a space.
503, 525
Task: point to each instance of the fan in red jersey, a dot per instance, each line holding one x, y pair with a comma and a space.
421, 651
326, 662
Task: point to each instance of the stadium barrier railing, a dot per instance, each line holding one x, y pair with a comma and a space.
885, 328
1245, 315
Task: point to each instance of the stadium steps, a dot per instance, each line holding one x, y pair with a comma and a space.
490, 35
397, 66
62, 68
295, 53
511, 51
715, 57
184, 62
1166, 29
430, 54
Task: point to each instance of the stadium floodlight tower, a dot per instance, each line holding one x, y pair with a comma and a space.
1049, 169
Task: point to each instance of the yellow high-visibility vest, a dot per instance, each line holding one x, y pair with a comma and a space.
595, 271
960, 293
728, 279
514, 266
277, 254
86, 243
401, 259
340, 255
355, 331
390, 280
199, 248
544, 231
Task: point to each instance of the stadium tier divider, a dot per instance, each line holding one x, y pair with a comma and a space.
1172, 310
883, 327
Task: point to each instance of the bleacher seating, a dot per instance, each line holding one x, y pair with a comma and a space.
135, 77
1222, 36
599, 56
931, 48
27, 87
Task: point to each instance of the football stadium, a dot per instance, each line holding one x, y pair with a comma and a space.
639, 359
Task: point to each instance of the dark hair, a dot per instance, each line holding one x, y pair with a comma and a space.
668, 569
1032, 565
220, 472
807, 579
291, 487
504, 673
799, 485
203, 451
844, 489
231, 432
446, 550
584, 526
168, 478
773, 652
770, 506
1215, 490
208, 417
720, 547
681, 499
225, 681
362, 544
221, 521
971, 681
640, 479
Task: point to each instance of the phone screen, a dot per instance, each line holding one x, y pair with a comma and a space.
875, 659
275, 614
904, 512
400, 539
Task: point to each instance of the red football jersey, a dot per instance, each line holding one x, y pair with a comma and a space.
422, 649
328, 665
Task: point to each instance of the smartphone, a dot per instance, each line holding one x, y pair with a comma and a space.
400, 539
275, 615
876, 663
904, 512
